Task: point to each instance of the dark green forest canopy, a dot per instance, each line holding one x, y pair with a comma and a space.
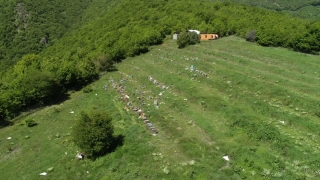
29, 26
308, 9
78, 46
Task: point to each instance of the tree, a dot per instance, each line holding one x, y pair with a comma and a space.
183, 39
93, 133
194, 38
187, 38
103, 62
38, 86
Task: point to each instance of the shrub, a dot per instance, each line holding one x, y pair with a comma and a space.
251, 36
194, 38
87, 89
93, 133
187, 38
104, 62
30, 123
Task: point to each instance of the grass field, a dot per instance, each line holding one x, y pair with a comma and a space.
259, 106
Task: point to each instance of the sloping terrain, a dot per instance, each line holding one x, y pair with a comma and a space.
225, 98
308, 9
30, 26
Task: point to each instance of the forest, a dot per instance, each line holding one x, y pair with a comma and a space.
47, 48
308, 9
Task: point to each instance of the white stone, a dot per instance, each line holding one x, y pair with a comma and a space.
226, 158
43, 174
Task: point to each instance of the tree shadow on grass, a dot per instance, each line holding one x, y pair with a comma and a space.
117, 142
5, 123
37, 107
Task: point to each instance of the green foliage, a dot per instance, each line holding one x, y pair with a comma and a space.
308, 9
104, 62
187, 38
61, 51
194, 38
87, 89
183, 39
93, 133
256, 86
251, 36
30, 122
31, 26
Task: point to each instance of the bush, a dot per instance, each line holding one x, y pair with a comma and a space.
187, 38
103, 62
30, 123
194, 38
251, 36
93, 133
87, 89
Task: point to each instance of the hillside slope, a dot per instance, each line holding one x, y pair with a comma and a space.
30, 26
259, 106
76, 59
308, 9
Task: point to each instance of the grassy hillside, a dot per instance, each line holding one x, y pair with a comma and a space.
258, 106
31, 26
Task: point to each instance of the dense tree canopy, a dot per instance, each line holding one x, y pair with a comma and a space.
308, 9
61, 51
30, 26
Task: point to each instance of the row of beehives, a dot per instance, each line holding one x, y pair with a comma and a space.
129, 105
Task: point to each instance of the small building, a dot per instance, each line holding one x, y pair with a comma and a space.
175, 36
209, 36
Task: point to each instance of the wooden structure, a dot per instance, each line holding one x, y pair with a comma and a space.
209, 36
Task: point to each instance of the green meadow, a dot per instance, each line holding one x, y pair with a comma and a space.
258, 106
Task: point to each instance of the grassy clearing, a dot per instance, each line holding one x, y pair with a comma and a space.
259, 106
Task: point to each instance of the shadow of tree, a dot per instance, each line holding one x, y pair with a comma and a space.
116, 142
5, 123
37, 107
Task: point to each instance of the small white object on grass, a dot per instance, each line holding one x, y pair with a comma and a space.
226, 158
96, 94
87, 172
282, 122
9, 138
43, 174
71, 112
185, 99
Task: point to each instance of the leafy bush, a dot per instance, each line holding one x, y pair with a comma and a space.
194, 38
87, 89
183, 39
30, 123
93, 133
251, 36
187, 38
103, 62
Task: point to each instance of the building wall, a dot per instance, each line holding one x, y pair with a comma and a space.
209, 36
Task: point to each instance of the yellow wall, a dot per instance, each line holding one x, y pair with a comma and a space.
209, 36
